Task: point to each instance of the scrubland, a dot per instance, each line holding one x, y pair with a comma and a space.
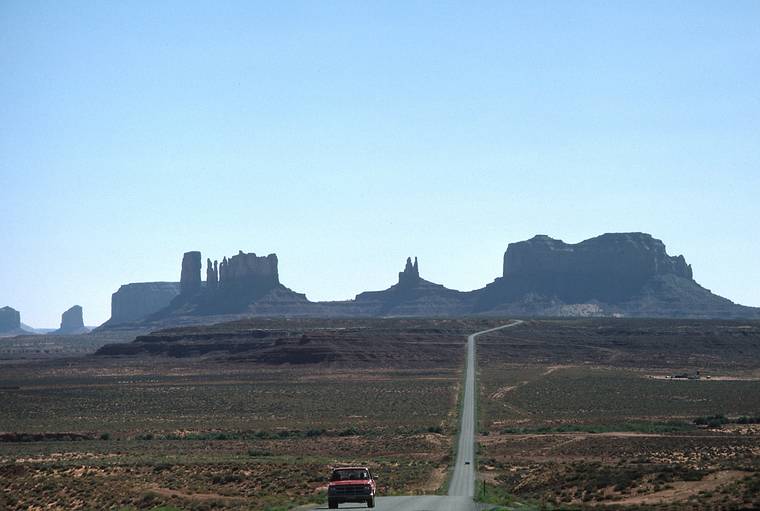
573, 414
610, 413
224, 430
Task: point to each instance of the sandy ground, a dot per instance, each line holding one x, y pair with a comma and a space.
682, 490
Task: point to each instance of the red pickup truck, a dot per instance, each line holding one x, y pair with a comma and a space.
351, 484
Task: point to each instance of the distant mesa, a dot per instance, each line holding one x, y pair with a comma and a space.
242, 272
242, 285
72, 319
135, 302
10, 319
245, 272
72, 322
615, 274
10, 322
627, 274
626, 259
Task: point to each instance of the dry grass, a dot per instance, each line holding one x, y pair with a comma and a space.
580, 414
223, 432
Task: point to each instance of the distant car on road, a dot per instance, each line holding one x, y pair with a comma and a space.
466, 462
351, 484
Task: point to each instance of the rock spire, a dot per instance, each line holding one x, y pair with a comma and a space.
212, 274
411, 273
190, 278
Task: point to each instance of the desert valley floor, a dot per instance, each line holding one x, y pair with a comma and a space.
573, 414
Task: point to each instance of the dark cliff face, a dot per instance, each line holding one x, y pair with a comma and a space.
626, 274
609, 268
135, 302
624, 253
72, 322
233, 286
190, 276
72, 319
244, 279
249, 271
10, 319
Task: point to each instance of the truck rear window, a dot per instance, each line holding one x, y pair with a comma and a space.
349, 475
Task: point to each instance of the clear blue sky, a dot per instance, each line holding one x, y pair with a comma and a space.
345, 136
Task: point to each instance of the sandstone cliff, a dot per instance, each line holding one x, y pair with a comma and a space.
589, 267
618, 274
628, 274
72, 322
135, 302
249, 271
244, 284
190, 276
10, 322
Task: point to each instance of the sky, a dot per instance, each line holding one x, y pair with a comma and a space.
346, 136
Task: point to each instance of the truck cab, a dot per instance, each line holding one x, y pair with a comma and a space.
351, 484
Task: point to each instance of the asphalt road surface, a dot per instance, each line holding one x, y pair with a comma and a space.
462, 482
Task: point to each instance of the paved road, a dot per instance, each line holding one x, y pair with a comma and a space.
462, 481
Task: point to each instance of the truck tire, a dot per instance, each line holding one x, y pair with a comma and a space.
371, 502
332, 504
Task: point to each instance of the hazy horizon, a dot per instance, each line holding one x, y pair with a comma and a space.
345, 137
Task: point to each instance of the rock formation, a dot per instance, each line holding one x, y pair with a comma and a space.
627, 274
619, 274
135, 302
411, 296
249, 270
72, 322
626, 254
223, 269
212, 275
10, 320
607, 268
243, 283
411, 273
72, 318
190, 277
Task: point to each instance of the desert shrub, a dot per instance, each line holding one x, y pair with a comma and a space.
226, 479
148, 499
635, 427
751, 486
711, 421
161, 467
352, 431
